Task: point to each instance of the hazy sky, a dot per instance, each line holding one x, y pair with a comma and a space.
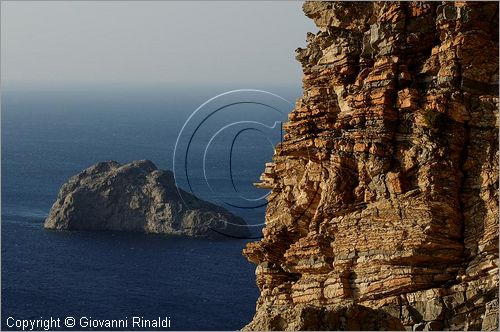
167, 41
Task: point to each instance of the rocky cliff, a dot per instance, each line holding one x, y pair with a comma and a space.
384, 204
140, 198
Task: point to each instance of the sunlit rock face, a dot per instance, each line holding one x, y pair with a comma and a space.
384, 204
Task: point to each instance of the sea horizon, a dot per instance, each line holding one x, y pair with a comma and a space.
53, 133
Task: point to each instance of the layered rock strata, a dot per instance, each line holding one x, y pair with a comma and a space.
384, 205
137, 197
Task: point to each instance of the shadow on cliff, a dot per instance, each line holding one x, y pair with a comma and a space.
345, 318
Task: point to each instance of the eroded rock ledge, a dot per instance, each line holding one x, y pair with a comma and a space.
384, 204
137, 197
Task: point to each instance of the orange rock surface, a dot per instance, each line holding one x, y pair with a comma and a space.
384, 204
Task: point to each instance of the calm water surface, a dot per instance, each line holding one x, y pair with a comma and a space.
49, 135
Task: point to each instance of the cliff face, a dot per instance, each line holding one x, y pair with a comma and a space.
384, 204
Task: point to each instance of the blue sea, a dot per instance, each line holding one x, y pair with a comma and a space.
51, 132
